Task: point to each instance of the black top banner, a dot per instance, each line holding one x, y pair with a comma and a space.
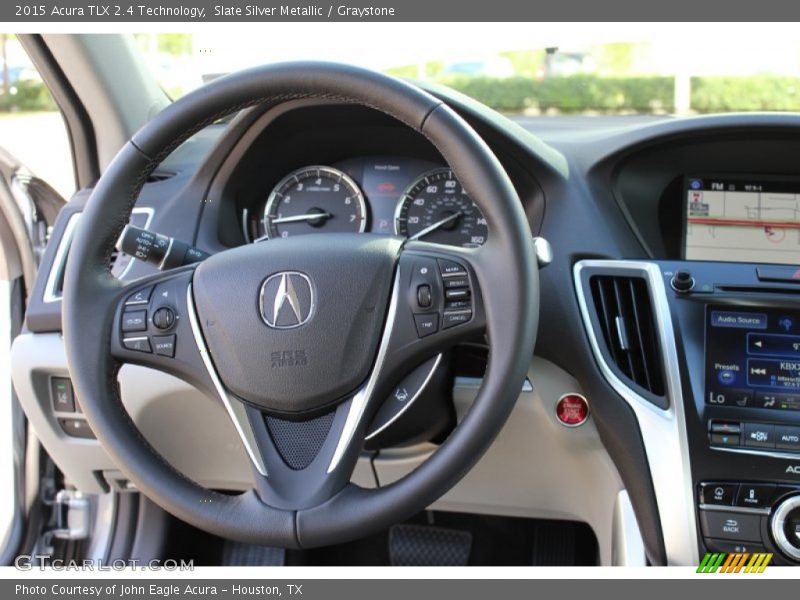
262, 11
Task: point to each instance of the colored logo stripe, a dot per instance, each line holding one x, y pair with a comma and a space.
734, 563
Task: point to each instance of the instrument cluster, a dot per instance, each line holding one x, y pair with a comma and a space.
413, 198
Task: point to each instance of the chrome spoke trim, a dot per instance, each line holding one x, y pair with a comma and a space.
663, 430
236, 409
409, 402
362, 398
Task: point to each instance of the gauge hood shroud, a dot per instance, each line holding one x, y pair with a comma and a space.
308, 368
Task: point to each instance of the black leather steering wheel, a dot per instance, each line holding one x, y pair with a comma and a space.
301, 338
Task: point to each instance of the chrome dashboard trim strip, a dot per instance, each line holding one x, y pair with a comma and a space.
770, 453
663, 430
236, 409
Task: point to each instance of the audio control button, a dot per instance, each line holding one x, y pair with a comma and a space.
755, 496
736, 526
718, 494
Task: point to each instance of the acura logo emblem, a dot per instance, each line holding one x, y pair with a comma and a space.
286, 300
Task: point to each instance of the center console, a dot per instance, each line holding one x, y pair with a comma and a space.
735, 305
739, 325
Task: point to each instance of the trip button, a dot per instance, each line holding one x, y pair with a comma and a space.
725, 525
426, 324
755, 496
787, 438
759, 435
135, 320
718, 494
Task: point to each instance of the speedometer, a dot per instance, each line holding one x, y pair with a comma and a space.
436, 208
315, 199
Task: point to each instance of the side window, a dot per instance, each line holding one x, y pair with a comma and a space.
32, 129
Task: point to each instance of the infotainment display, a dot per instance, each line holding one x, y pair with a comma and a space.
753, 357
742, 219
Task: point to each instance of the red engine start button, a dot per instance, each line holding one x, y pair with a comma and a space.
572, 410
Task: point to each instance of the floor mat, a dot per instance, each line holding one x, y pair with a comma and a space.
428, 546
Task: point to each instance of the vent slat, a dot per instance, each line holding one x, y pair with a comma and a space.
627, 323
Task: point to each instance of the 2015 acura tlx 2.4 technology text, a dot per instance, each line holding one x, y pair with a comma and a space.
314, 313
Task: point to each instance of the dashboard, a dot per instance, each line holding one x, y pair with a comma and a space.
671, 304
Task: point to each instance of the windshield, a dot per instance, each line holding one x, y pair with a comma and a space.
526, 68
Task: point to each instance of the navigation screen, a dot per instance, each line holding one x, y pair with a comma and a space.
753, 358
742, 219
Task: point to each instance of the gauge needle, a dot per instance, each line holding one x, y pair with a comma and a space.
306, 217
436, 226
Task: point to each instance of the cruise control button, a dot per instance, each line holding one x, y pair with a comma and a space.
719, 494
787, 438
449, 267
457, 294
453, 318
426, 324
139, 344
726, 525
140, 297
135, 320
164, 345
457, 304
63, 396
456, 282
759, 435
755, 496
76, 428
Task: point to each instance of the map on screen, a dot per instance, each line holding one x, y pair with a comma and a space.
742, 220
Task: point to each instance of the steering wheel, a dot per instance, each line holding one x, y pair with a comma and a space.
301, 338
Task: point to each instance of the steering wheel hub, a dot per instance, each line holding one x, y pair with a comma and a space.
293, 325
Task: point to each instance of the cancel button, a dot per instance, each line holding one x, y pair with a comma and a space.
787, 438
725, 525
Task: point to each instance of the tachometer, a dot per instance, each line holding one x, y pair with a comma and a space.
436, 208
315, 199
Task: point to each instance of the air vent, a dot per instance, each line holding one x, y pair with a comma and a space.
625, 318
